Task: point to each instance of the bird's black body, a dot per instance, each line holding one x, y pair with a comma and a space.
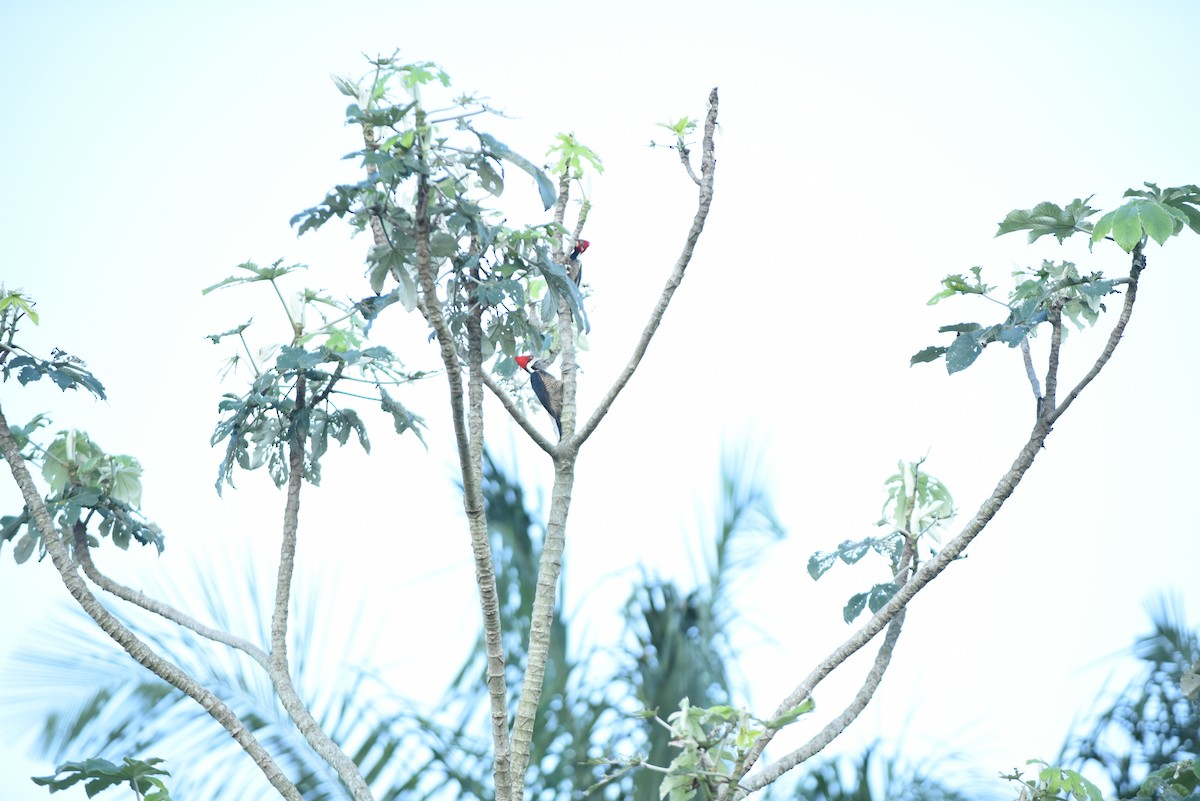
549, 391
574, 266
547, 388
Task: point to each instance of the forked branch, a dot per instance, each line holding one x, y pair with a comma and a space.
953, 549
135, 647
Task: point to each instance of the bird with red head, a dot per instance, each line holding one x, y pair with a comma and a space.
547, 388
574, 268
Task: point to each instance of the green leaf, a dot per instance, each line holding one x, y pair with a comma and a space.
559, 285
216, 338
489, 179
854, 607
16, 299
962, 353
499, 149
806, 706
346, 87
298, 359
880, 594
1137, 218
960, 328
403, 419
276, 270
1049, 219
929, 354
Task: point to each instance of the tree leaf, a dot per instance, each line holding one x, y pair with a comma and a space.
854, 607
545, 188
962, 353
1049, 218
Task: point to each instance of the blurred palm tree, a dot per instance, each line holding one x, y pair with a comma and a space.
875, 775
104, 704
676, 644
1153, 722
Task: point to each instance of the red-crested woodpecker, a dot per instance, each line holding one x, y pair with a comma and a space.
547, 388
574, 267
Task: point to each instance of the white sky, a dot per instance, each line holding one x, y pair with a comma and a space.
866, 150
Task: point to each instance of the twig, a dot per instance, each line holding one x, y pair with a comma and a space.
685, 156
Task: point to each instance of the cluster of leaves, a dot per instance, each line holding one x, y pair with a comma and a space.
1150, 213
293, 399
489, 268
1054, 783
98, 775
85, 482
917, 505
65, 370
681, 129
1054, 285
713, 743
1176, 781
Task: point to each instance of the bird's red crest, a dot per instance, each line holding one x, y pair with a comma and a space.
523, 362
582, 245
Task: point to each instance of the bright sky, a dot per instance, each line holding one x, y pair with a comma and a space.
866, 150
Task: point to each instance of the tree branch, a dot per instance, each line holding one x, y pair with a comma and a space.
277, 660
517, 415
541, 619
685, 156
1056, 333
473, 502
138, 650
550, 564
83, 554
1004, 489
930, 570
1135, 271
707, 169
836, 726
1030, 373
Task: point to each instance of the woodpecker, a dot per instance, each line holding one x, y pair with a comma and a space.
574, 268
547, 388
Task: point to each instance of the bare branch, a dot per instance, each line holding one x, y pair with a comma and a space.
84, 555
564, 192
1135, 271
277, 660
1004, 489
836, 726
685, 156
1027, 357
930, 570
473, 502
518, 415
584, 208
138, 650
707, 170
549, 566
1056, 334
